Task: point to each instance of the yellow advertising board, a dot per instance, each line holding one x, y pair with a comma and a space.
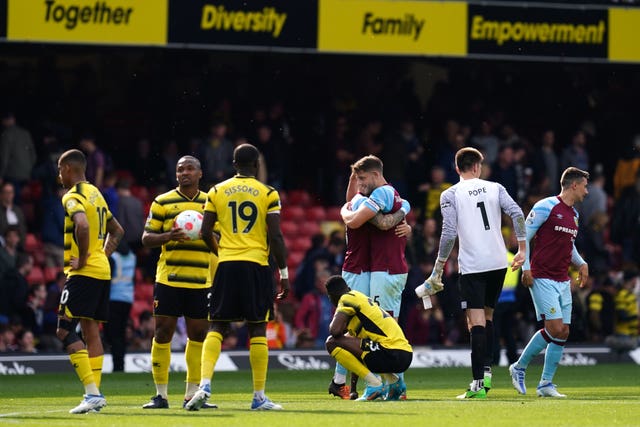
624, 34
88, 21
393, 27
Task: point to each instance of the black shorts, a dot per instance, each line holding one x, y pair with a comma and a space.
480, 290
382, 360
242, 290
85, 297
176, 302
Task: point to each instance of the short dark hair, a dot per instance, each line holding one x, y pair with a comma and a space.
75, 157
467, 157
336, 285
367, 164
571, 175
245, 155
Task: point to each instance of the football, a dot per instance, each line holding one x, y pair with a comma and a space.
191, 222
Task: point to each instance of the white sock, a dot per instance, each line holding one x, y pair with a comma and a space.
91, 389
259, 395
162, 390
339, 378
372, 380
477, 385
390, 378
205, 382
190, 390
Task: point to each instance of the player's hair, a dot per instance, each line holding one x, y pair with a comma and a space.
571, 175
75, 158
336, 285
467, 157
367, 164
245, 155
191, 159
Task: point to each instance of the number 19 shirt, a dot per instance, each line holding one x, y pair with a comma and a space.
241, 205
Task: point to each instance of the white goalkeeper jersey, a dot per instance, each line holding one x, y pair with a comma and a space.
472, 210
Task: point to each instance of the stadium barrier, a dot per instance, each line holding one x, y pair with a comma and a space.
21, 364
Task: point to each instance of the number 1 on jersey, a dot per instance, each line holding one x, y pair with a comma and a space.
485, 218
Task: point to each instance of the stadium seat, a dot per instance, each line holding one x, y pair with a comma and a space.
289, 228
333, 213
299, 198
138, 307
292, 213
143, 292
294, 259
139, 275
316, 213
300, 244
32, 244
309, 228
36, 276
50, 273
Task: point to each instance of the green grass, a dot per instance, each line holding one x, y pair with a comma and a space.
603, 395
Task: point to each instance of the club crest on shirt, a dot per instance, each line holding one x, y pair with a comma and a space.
530, 217
71, 204
575, 219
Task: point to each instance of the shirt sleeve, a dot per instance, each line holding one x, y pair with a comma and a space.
381, 199
449, 211
72, 204
155, 219
511, 208
535, 219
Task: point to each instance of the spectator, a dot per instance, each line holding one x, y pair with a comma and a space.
33, 311
627, 167
425, 327
595, 201
594, 244
130, 215
143, 334
9, 250
97, 161
26, 342
7, 339
546, 167
576, 153
625, 228
433, 191
625, 336
10, 214
277, 332
146, 165
14, 288
600, 310
486, 141
217, 154
342, 154
17, 154
504, 172
315, 313
123, 266
53, 228
110, 193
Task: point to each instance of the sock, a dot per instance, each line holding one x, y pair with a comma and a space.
349, 361
190, 390
193, 359
390, 378
82, 366
259, 360
96, 367
372, 379
160, 360
476, 385
533, 348
210, 353
163, 390
340, 374
478, 349
551, 358
259, 395
488, 332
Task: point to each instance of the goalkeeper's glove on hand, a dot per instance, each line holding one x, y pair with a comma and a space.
433, 284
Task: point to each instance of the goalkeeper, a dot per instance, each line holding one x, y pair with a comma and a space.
472, 211
365, 339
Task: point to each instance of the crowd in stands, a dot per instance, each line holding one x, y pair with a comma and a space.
311, 177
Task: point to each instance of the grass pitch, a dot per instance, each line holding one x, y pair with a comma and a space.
602, 395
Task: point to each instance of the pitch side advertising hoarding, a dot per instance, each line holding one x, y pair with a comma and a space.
392, 27
535, 31
291, 24
88, 21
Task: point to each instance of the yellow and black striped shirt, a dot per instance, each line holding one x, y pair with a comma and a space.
181, 264
86, 198
368, 320
241, 205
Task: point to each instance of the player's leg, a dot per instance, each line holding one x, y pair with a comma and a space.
211, 349
347, 350
196, 318
493, 288
557, 331
165, 327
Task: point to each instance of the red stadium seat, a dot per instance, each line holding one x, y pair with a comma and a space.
294, 259
50, 273
36, 276
299, 198
292, 213
316, 213
144, 292
300, 244
333, 213
137, 308
32, 243
289, 228
309, 228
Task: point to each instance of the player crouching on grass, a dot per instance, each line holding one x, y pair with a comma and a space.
365, 339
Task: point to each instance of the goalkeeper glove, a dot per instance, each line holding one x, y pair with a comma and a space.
433, 284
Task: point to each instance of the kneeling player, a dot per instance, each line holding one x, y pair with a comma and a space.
373, 342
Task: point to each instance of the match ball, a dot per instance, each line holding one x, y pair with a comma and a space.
190, 222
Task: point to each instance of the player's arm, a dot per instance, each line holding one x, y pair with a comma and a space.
388, 221
81, 233
279, 251
338, 324
153, 236
538, 215
208, 221
352, 186
114, 235
583, 267
356, 218
511, 208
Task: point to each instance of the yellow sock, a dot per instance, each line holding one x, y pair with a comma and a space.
80, 362
96, 367
160, 359
193, 359
210, 353
259, 360
349, 361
